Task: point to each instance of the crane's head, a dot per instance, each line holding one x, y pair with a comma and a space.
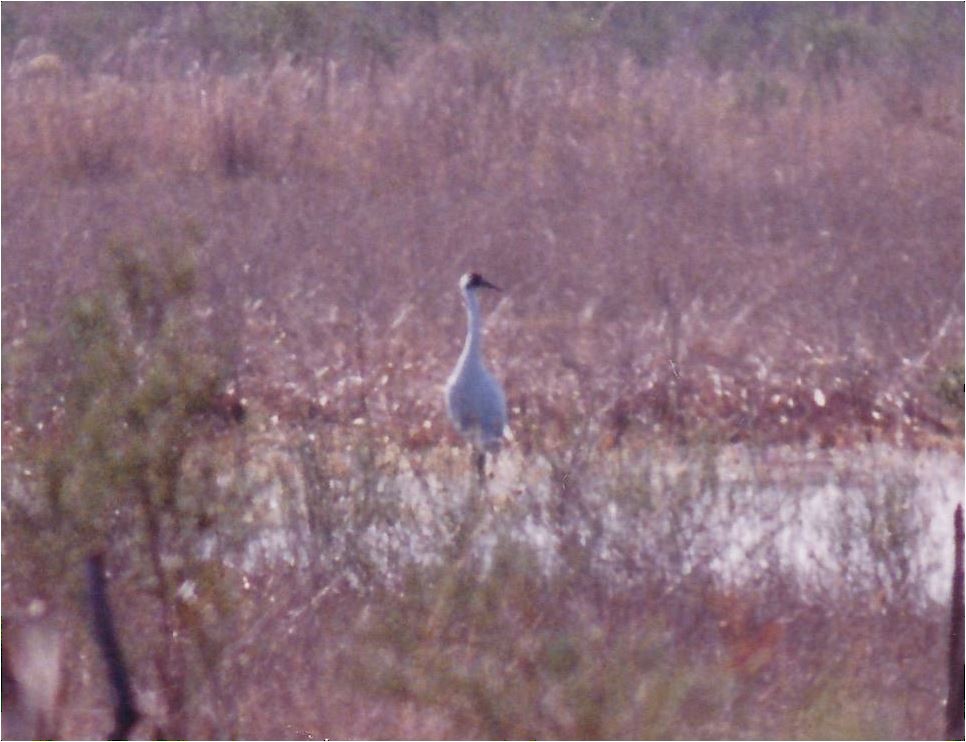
473, 281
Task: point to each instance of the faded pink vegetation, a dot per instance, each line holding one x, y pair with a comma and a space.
689, 264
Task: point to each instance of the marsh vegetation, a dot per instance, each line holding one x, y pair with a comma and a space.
730, 239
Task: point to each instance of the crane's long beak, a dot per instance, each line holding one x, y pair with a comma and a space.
487, 285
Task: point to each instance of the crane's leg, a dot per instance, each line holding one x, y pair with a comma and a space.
479, 458
470, 519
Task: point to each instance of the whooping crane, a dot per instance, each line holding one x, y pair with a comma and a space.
474, 399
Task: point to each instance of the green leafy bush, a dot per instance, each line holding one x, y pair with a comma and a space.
952, 386
140, 388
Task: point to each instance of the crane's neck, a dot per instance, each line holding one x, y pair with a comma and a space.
473, 346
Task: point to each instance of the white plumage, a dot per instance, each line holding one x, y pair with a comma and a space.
474, 399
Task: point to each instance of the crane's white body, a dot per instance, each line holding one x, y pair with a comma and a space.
474, 399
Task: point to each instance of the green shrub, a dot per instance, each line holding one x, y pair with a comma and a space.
952, 386
139, 384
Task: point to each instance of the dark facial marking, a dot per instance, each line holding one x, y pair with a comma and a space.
476, 281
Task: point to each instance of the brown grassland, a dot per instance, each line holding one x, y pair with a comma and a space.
731, 335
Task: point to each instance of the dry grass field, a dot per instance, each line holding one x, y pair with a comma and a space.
731, 337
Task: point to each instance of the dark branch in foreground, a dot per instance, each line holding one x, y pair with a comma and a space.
956, 702
125, 713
